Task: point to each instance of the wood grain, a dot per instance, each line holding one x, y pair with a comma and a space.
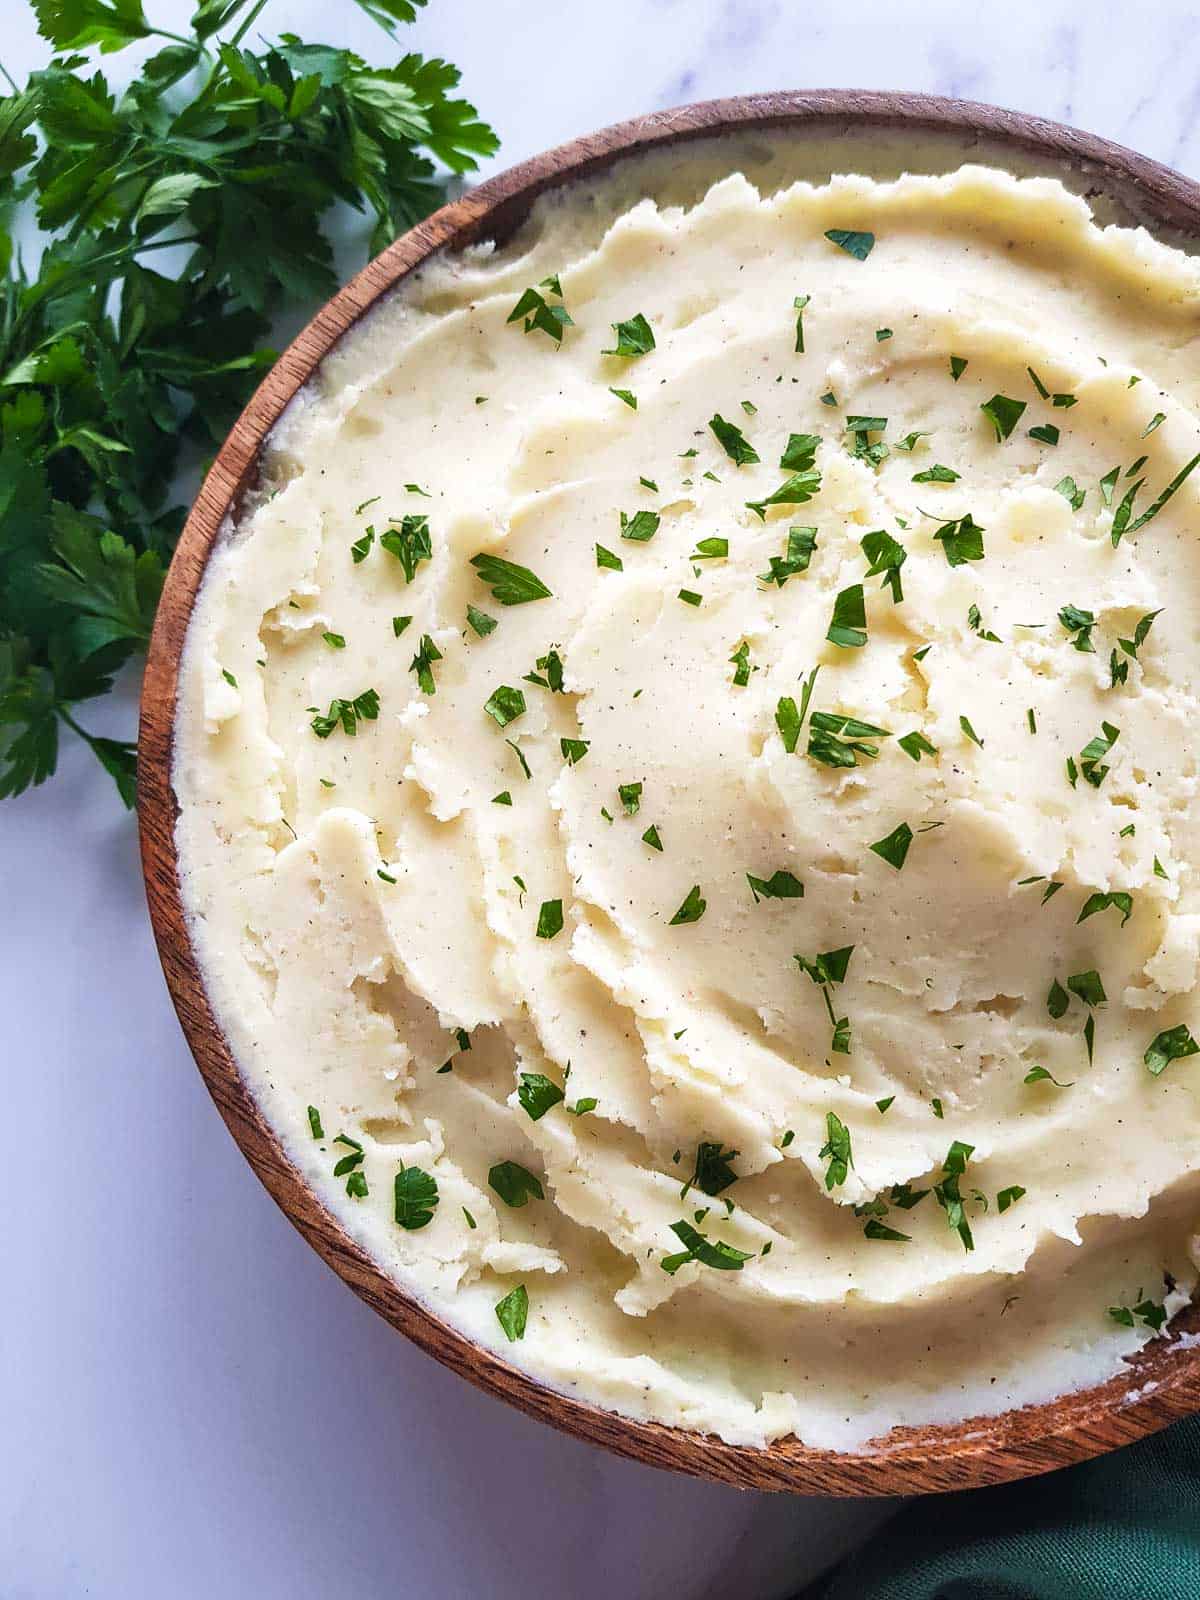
1163, 1383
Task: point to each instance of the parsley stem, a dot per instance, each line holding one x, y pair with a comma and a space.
247, 24
164, 33
9, 78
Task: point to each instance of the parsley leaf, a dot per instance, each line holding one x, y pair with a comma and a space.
733, 441
640, 527
781, 885
515, 1184
1003, 414
836, 1150
415, 1198
511, 585
537, 1094
1173, 1044
513, 1313
550, 919
894, 848
710, 1252
634, 338
961, 540
848, 627
886, 556
854, 243
693, 908
534, 311
410, 543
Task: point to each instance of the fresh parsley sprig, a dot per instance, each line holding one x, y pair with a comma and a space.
114, 371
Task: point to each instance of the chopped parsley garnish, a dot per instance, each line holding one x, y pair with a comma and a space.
399, 624
1009, 1197
709, 1252
511, 585
347, 714
837, 741
505, 705
1041, 1075
740, 661
335, 641
504, 798
551, 666
958, 366
651, 837
1107, 484
634, 338
854, 242
1152, 1312
512, 1313
798, 305
908, 443
481, 622
1038, 384
386, 876
862, 449
537, 1094
583, 1106
962, 540
883, 333
520, 755
1173, 1044
422, 664
692, 909
788, 721
829, 398
975, 623
550, 919
874, 1229
966, 727
916, 745
535, 311
1120, 669
1088, 987
894, 848
946, 1192
1079, 624
415, 1198
799, 452
1003, 414
314, 1123
574, 750
631, 797
410, 543
796, 491
471, 1223
1094, 752
626, 397
830, 967
1121, 523
781, 885
361, 548
515, 1184
1117, 898
1045, 433
710, 549
848, 627
606, 558
836, 1150
712, 1173
640, 527
1071, 492
1057, 1000
937, 474
801, 543
884, 1106
689, 597
886, 556
1064, 401
1156, 421
733, 441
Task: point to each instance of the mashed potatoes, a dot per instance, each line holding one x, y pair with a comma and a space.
687, 772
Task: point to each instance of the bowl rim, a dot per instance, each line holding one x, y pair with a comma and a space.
1159, 1385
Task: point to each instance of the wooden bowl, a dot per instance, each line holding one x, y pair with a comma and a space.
1159, 1385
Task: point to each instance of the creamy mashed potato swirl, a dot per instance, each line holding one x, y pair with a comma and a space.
786, 1052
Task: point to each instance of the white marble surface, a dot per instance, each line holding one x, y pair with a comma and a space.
191, 1405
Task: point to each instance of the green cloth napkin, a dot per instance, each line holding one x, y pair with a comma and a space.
1124, 1527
